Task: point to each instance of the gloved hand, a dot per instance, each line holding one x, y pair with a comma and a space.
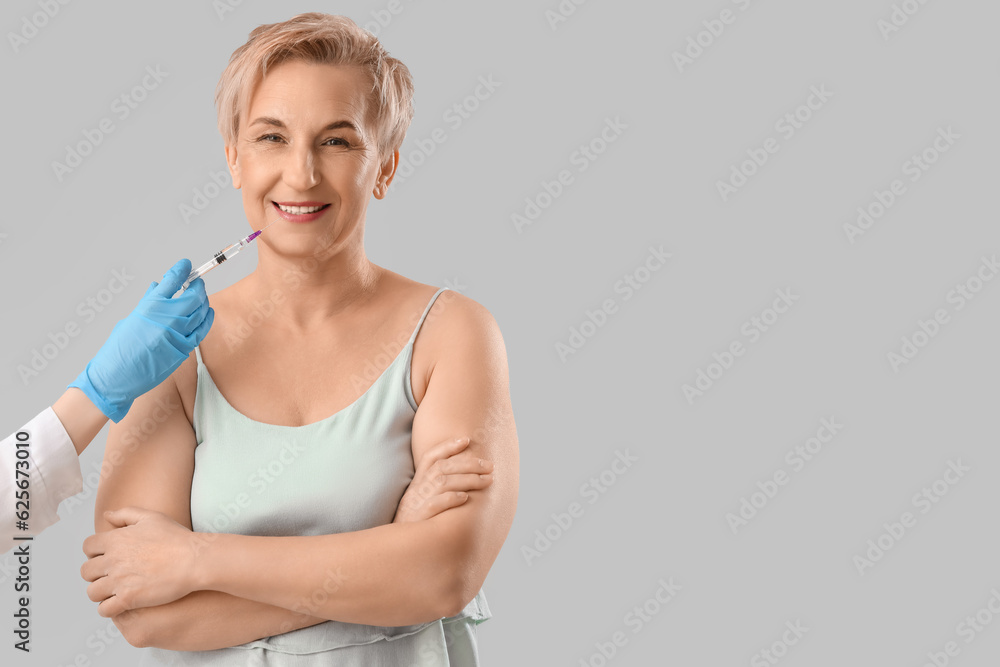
148, 345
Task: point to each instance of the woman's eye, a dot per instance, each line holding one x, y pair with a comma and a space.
272, 138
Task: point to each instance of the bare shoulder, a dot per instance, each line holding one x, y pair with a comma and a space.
450, 310
461, 320
459, 331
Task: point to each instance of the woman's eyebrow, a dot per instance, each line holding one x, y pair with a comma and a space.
336, 125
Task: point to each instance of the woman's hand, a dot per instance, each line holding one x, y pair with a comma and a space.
441, 479
148, 560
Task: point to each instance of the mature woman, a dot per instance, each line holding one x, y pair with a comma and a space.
289, 439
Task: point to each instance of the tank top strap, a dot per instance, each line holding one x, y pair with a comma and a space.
413, 336
197, 353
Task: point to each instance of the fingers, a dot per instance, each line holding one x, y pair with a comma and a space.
112, 606
194, 320
464, 462
193, 298
433, 506
198, 335
100, 590
443, 450
93, 569
467, 482
94, 545
125, 516
185, 314
445, 501
173, 279
446, 484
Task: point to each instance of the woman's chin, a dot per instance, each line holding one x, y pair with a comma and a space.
307, 247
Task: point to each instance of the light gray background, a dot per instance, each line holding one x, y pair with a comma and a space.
665, 517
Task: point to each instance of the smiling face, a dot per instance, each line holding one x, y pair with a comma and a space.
307, 158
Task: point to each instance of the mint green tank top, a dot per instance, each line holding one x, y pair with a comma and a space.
344, 473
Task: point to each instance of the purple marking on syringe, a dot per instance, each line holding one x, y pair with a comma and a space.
254, 235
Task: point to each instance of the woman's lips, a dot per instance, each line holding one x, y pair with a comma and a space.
301, 216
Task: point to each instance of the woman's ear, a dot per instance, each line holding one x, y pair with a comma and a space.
385, 175
234, 166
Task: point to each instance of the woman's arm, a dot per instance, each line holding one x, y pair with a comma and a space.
207, 620
159, 544
398, 574
149, 461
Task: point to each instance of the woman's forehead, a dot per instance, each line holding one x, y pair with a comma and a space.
300, 92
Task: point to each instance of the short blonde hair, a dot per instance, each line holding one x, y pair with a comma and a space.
319, 38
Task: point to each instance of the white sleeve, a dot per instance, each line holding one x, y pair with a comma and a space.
53, 475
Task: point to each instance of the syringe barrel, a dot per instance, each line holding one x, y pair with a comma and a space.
197, 273
202, 270
219, 258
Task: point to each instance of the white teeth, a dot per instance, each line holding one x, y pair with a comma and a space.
299, 210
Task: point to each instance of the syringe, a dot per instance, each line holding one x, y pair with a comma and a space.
221, 256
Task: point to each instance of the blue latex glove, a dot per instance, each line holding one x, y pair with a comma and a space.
148, 345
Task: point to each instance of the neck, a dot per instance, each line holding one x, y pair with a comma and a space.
308, 292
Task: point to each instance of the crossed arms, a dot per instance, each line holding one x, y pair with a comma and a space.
201, 591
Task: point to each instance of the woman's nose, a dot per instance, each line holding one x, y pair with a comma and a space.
300, 171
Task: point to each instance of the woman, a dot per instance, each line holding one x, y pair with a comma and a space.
295, 433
